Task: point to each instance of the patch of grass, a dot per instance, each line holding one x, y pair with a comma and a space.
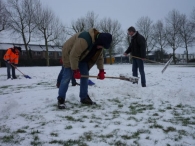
20, 131
156, 126
69, 142
169, 129
8, 138
5, 87
183, 132
70, 118
35, 132
161, 110
68, 127
140, 108
54, 134
132, 118
120, 105
155, 114
151, 120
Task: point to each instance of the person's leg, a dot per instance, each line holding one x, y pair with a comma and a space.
142, 73
13, 72
135, 67
59, 77
66, 76
83, 67
8, 70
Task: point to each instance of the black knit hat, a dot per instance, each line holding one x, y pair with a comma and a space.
131, 29
104, 39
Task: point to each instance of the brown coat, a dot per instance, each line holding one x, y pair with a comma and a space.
75, 49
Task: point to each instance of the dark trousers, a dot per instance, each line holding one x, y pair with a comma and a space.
138, 63
9, 66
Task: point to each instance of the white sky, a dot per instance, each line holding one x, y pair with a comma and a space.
127, 12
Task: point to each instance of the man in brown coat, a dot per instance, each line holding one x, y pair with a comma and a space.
79, 54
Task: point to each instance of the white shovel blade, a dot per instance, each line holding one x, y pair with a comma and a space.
167, 64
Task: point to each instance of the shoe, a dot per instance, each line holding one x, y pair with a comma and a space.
87, 101
61, 103
143, 85
76, 84
14, 77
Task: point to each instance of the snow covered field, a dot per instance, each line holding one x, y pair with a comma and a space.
161, 114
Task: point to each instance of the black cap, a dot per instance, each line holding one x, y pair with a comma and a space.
131, 29
104, 39
19, 48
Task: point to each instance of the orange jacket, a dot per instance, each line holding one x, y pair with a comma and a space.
11, 56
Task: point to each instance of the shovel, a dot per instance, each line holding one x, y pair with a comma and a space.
130, 79
26, 76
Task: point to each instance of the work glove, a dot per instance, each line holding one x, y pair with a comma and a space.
101, 74
77, 74
7, 61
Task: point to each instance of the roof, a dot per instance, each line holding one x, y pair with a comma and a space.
32, 47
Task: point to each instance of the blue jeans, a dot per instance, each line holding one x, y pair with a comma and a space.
60, 77
9, 66
66, 77
138, 63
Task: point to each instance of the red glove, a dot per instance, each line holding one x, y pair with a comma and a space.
101, 74
77, 74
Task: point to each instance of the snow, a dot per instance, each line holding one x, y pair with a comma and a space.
125, 114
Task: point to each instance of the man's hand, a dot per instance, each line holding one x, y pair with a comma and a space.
77, 74
125, 54
101, 74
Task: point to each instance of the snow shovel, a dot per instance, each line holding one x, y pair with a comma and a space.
26, 76
131, 79
166, 65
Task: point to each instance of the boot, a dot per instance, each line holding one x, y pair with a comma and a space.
61, 103
87, 101
75, 84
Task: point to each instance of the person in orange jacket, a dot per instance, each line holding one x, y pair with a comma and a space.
11, 57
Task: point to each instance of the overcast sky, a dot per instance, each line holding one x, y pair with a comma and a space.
127, 12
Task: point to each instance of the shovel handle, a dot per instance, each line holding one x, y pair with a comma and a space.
86, 76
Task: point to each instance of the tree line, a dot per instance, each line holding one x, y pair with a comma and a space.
31, 21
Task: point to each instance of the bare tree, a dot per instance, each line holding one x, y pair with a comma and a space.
144, 26
77, 26
192, 18
49, 27
21, 17
159, 37
186, 32
91, 20
84, 23
3, 15
174, 40
114, 28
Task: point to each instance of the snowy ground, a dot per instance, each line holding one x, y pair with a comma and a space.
161, 114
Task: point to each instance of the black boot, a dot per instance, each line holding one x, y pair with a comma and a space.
87, 101
75, 84
61, 103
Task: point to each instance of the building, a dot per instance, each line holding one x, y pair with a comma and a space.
37, 52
